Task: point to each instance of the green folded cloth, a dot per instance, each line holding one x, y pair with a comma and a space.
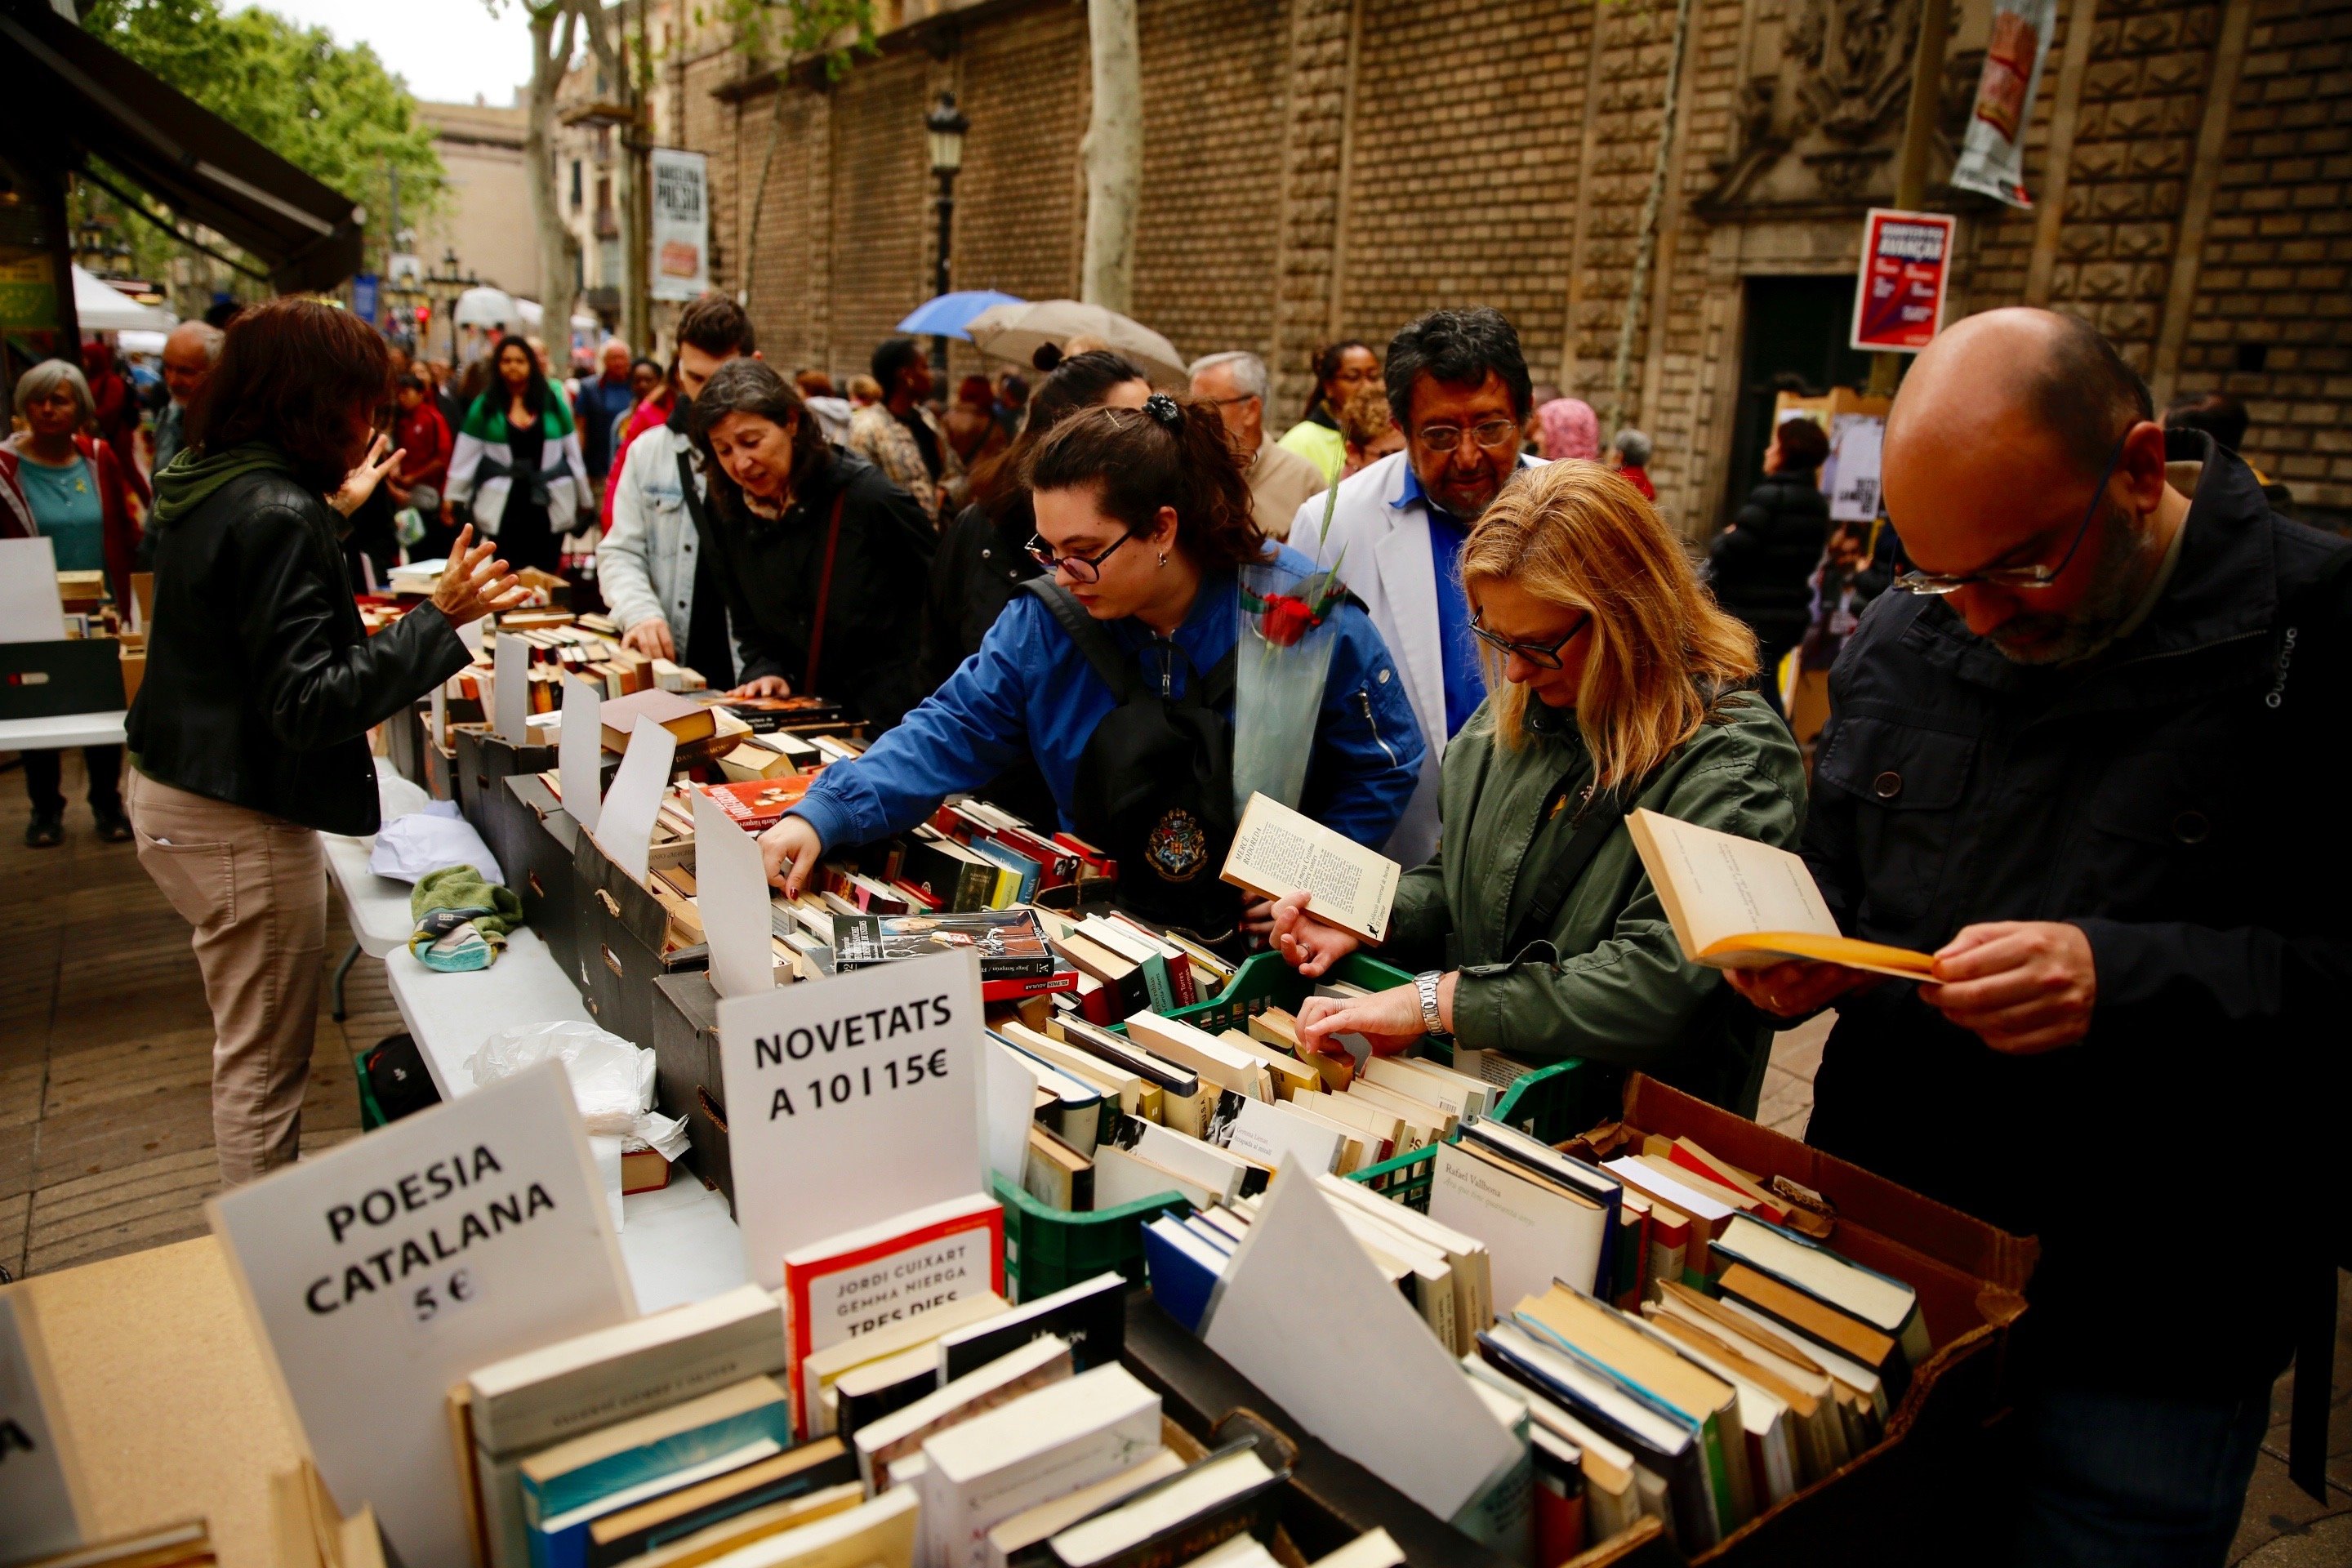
462, 919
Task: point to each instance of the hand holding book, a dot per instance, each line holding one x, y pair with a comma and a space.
1307, 944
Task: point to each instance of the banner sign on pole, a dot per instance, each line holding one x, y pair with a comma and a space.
681, 223
1992, 149
1899, 300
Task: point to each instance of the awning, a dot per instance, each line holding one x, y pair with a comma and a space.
100, 308
195, 163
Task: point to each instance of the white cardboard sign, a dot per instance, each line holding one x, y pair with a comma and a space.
580, 752
30, 610
37, 1507
852, 1100
511, 715
624, 823
731, 889
385, 1271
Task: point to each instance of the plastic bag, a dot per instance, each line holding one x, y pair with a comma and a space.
612, 1080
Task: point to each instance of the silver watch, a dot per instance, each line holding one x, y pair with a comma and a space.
1426, 984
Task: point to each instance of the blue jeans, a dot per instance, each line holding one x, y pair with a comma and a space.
2133, 1481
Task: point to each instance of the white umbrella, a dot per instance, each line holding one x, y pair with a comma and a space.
531, 314
101, 309
140, 342
1018, 331
486, 308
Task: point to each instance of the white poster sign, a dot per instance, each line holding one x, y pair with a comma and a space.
385, 1271
580, 752
624, 823
30, 610
731, 889
510, 691
681, 223
850, 1100
1850, 477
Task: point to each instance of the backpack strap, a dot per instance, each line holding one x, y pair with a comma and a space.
1117, 671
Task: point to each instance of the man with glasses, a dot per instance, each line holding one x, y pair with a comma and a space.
1458, 387
1280, 481
2074, 759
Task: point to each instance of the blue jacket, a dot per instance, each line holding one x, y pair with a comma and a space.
1030, 689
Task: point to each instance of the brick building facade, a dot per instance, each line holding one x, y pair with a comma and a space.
1315, 169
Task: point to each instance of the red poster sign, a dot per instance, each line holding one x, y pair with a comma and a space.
1898, 302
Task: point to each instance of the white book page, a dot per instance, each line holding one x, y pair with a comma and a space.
1719, 885
1279, 851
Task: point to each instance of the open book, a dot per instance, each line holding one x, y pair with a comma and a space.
1277, 852
1738, 904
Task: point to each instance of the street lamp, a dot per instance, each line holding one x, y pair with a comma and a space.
943, 129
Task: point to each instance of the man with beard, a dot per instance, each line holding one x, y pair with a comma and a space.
1458, 387
2058, 761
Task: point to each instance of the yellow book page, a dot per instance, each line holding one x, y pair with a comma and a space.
1753, 950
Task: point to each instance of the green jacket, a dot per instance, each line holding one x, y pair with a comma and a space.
1612, 985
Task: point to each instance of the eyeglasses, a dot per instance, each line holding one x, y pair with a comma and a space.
1537, 654
1495, 435
1081, 568
2019, 576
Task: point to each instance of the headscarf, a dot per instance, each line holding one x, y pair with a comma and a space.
1568, 429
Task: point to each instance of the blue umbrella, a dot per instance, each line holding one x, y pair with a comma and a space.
945, 315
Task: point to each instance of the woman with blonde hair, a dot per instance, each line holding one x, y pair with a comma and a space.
1623, 685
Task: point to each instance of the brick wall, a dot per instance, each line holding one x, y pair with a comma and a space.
1321, 168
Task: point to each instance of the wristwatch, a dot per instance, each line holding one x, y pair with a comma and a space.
1426, 984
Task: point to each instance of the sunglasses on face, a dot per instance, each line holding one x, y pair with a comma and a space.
2017, 577
1081, 568
1543, 656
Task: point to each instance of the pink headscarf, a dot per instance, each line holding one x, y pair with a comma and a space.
1568, 429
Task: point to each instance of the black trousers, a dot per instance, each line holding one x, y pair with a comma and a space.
43, 769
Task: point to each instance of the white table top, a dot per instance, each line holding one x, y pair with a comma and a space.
451, 1015
64, 730
378, 906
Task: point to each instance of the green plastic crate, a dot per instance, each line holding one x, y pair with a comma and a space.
1267, 980
1553, 1103
1046, 1249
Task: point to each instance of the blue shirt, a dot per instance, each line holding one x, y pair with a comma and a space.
1030, 690
1465, 674
65, 504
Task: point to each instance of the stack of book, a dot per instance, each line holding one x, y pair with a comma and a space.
187, 1545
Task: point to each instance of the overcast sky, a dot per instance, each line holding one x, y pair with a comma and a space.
448, 50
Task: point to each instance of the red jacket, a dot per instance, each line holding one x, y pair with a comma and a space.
651, 415
119, 522
425, 436
1640, 480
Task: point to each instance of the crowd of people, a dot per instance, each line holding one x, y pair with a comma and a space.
2065, 670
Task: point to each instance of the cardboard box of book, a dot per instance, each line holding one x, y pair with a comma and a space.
484, 763
543, 841
1970, 1279
686, 1080
625, 940
403, 741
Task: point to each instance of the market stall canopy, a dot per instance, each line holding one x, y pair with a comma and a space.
100, 105
1018, 331
486, 308
949, 315
103, 309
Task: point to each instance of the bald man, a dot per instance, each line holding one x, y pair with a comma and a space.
2079, 761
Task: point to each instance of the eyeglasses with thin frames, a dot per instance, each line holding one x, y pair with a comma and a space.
1495, 435
1081, 568
1537, 654
2019, 576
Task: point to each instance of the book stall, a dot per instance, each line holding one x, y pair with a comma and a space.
951, 1213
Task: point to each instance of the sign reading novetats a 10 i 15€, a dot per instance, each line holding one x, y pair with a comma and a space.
1899, 300
852, 1100
386, 1270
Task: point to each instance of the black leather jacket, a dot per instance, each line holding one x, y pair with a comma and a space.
261, 682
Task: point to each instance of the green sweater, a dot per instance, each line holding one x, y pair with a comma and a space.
1614, 985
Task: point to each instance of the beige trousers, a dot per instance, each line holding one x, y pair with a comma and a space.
254, 888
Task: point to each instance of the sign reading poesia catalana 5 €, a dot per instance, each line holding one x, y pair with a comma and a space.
387, 1269
681, 224
851, 1100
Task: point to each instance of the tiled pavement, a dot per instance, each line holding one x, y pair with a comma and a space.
106, 1128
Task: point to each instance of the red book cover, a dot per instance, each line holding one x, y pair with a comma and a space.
867, 1279
1021, 986
1560, 1521
1771, 1214
757, 805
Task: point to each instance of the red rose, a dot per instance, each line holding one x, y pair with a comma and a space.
1286, 619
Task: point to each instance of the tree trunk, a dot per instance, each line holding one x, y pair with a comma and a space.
1113, 151
608, 41
553, 27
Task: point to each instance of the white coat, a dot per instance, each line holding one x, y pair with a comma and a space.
1383, 555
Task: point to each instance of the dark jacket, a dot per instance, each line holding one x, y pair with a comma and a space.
1613, 985
2153, 796
261, 682
871, 660
1762, 566
981, 564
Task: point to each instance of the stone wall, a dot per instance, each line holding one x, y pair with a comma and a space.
1318, 169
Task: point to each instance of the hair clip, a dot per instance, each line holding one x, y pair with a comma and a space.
1163, 407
